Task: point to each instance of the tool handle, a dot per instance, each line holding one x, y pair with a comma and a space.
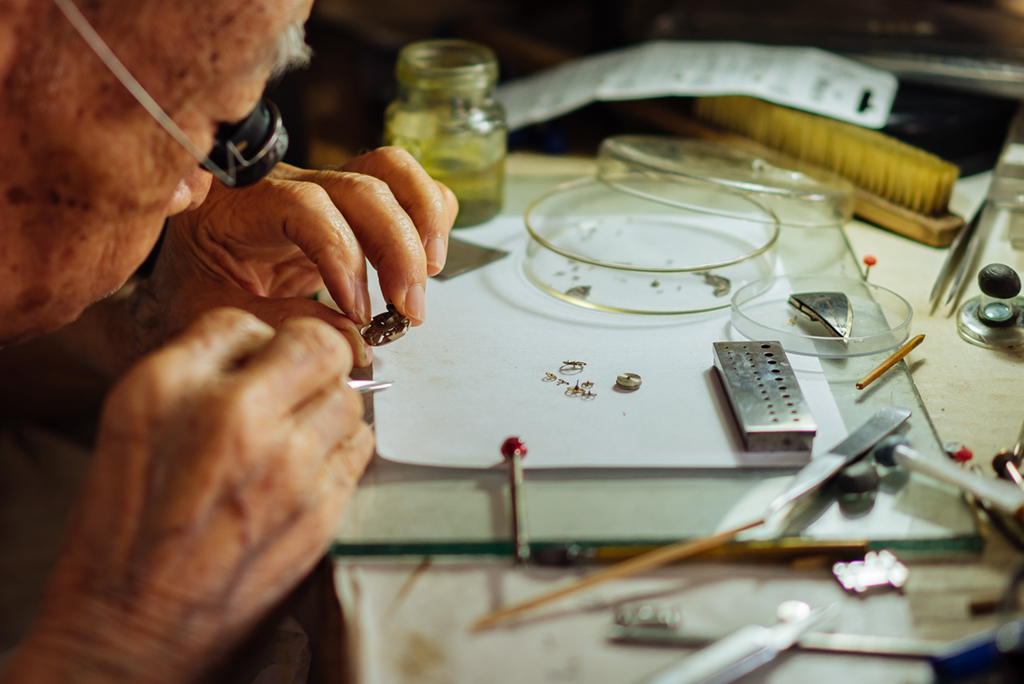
657, 558
1003, 495
723, 661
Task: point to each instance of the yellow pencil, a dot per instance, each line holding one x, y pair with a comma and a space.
907, 347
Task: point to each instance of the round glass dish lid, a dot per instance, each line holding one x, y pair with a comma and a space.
648, 243
799, 195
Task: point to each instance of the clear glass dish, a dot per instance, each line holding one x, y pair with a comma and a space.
881, 318
647, 243
801, 196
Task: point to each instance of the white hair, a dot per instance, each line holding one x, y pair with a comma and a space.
291, 51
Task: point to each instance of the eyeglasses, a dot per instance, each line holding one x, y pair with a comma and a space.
243, 152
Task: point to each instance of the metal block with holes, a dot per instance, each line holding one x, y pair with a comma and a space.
765, 396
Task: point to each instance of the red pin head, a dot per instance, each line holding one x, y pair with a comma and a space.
963, 455
513, 446
869, 261
958, 451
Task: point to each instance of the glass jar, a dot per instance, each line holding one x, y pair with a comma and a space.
445, 115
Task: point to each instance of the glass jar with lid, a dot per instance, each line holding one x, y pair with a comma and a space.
445, 115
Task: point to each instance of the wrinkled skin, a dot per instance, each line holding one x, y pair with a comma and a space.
222, 466
298, 231
87, 177
225, 457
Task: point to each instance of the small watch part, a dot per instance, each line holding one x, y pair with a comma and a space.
629, 381
879, 569
720, 284
831, 309
385, 328
650, 616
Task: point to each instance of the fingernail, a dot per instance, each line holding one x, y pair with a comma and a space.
415, 303
362, 355
436, 253
362, 303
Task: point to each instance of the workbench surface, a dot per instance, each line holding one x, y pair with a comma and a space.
411, 616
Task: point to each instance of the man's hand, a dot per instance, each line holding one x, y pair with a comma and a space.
222, 466
267, 247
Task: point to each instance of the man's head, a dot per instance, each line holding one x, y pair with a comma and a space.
86, 175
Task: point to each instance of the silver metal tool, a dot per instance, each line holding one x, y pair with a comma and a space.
744, 650
824, 466
765, 396
831, 642
955, 262
982, 224
513, 450
463, 257
1018, 448
364, 386
1002, 495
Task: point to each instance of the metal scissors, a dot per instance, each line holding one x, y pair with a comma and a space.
746, 649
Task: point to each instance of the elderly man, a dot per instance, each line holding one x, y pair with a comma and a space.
224, 458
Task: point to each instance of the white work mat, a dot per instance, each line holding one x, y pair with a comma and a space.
474, 374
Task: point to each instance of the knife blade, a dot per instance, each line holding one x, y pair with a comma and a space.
821, 468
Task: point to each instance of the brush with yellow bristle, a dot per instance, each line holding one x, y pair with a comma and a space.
887, 171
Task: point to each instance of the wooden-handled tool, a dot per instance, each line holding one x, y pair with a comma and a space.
649, 561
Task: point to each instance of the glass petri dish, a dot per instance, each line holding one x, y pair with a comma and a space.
801, 196
881, 318
658, 246
648, 243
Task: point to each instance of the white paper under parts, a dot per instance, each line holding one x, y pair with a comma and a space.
473, 374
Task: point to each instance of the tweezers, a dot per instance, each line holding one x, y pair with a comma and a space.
364, 386
962, 254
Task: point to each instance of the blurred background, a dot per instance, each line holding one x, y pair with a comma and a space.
960, 63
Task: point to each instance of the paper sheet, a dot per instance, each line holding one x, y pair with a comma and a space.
805, 78
474, 374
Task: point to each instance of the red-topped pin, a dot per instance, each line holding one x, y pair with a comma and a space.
514, 450
513, 446
869, 261
958, 451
